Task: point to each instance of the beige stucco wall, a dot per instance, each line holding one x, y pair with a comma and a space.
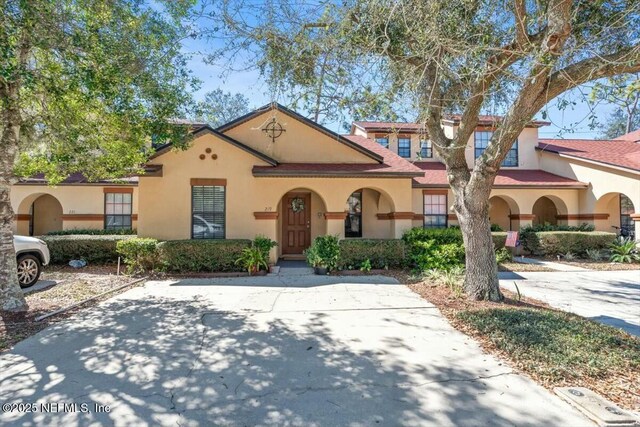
79, 204
165, 202
48, 215
299, 144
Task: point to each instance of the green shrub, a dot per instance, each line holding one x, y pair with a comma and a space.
381, 253
140, 254
253, 259
503, 255
431, 256
499, 239
624, 251
202, 255
556, 227
325, 252
441, 236
496, 227
561, 242
264, 245
92, 232
93, 249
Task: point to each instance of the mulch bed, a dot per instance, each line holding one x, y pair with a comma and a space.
593, 265
622, 386
518, 267
75, 285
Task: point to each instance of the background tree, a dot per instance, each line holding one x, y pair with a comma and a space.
467, 56
219, 107
83, 84
623, 92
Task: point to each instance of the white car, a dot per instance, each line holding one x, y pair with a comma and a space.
32, 255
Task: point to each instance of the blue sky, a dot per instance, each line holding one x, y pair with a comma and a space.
570, 122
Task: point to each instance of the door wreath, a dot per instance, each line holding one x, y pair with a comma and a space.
297, 204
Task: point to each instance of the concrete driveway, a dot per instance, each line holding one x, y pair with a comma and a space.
610, 297
303, 351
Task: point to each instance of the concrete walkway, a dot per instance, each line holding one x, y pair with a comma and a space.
558, 266
610, 297
274, 350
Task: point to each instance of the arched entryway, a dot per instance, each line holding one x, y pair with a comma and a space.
39, 214
546, 210
617, 208
367, 216
301, 218
503, 212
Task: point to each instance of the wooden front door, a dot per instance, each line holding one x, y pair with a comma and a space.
296, 226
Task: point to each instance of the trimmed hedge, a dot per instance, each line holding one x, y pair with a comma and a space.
140, 254
93, 249
543, 243
202, 255
381, 253
499, 239
440, 236
93, 232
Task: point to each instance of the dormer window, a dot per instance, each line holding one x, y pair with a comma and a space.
404, 147
482, 139
426, 149
383, 140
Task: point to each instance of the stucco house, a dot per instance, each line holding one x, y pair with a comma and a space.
274, 172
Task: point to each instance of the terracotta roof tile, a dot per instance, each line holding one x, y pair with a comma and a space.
392, 164
631, 136
624, 154
435, 175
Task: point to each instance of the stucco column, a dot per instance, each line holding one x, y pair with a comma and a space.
636, 222
521, 220
267, 224
400, 222
335, 223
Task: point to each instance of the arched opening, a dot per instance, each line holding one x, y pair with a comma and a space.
546, 210
501, 210
301, 218
44, 215
617, 208
365, 208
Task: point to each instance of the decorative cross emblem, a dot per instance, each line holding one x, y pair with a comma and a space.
273, 129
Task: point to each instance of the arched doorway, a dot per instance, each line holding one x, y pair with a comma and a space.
45, 215
501, 209
545, 211
618, 207
300, 220
364, 208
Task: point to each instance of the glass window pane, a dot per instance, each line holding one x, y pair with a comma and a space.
208, 212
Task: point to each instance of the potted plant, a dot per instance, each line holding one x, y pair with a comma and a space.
252, 259
323, 254
265, 245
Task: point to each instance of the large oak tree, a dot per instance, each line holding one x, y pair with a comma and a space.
83, 84
455, 56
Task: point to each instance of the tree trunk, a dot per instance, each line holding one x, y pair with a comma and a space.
11, 296
481, 274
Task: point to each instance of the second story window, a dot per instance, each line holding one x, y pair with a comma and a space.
426, 149
404, 147
482, 139
383, 140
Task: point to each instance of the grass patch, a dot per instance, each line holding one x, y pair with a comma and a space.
556, 346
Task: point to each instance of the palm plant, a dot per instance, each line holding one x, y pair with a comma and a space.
252, 259
624, 251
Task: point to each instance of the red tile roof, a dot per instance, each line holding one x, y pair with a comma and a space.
624, 154
435, 175
78, 178
392, 164
631, 136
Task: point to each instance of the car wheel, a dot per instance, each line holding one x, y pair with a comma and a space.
29, 269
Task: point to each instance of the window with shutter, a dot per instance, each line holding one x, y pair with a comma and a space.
208, 212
